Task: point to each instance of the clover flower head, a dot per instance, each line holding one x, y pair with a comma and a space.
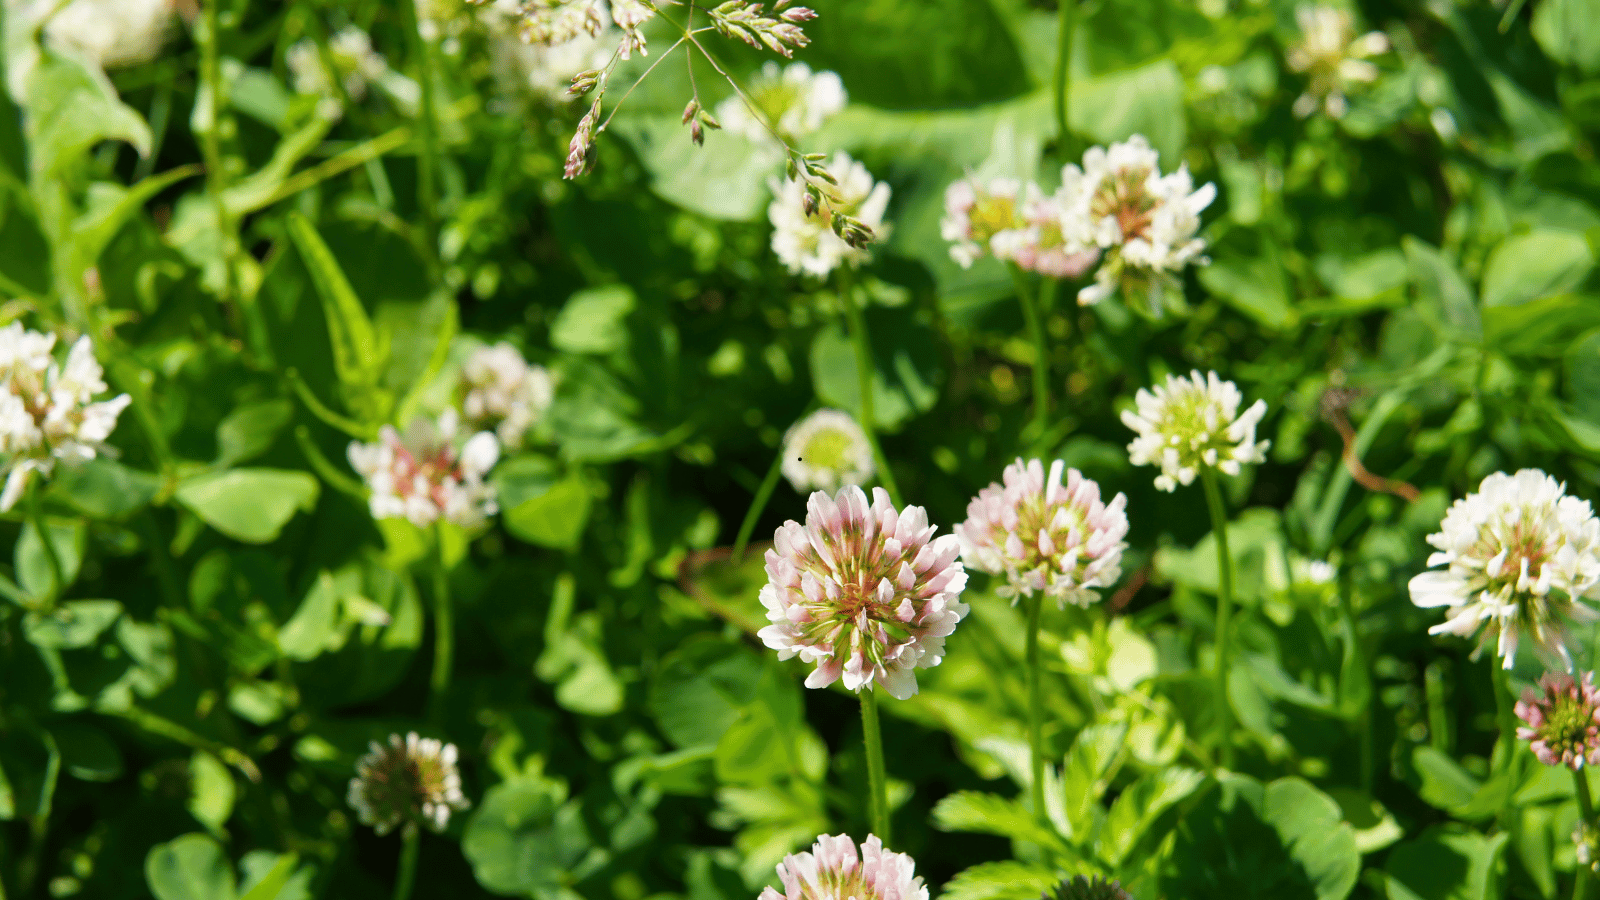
111, 34
976, 211
429, 472
834, 871
406, 781
1332, 57
806, 242
544, 69
503, 389
554, 22
1564, 725
1046, 534
864, 592
48, 413
825, 450
1521, 557
794, 100
355, 65
1039, 245
1187, 423
1083, 887
1145, 222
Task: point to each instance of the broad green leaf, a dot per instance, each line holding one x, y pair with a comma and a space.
1445, 864
104, 488
1538, 264
250, 430
1091, 763
211, 792
1441, 287
592, 320
1138, 807
725, 179
70, 109
555, 518
525, 837
1001, 881
1255, 285
249, 505
992, 814
72, 624
1444, 783
700, 690
1582, 366
1567, 30
905, 375
35, 573
264, 875
191, 867
1147, 100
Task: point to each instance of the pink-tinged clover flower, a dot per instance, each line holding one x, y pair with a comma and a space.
834, 871
429, 472
407, 781
1046, 535
974, 212
1564, 725
864, 592
1521, 557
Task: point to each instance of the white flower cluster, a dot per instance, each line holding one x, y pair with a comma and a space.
555, 22
1145, 222
1521, 558
825, 450
47, 409
1191, 422
111, 34
794, 100
805, 240
1021, 225
355, 65
504, 390
1332, 58
426, 474
406, 781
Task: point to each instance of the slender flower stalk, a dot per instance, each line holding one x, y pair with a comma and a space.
857, 325
41, 527
1068, 20
757, 504
406, 874
1035, 679
1034, 318
1219, 527
877, 777
443, 628
1586, 827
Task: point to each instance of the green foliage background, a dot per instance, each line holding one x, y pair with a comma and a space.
263, 280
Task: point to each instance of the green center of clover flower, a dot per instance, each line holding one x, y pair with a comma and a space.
1524, 542
837, 886
1192, 432
1566, 726
827, 449
1124, 198
992, 214
1034, 516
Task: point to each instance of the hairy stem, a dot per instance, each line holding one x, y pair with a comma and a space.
1219, 526
1034, 318
443, 626
877, 781
858, 336
1580, 781
406, 875
1036, 708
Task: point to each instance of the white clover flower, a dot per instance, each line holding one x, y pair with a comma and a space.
833, 871
405, 782
427, 474
1332, 57
546, 70
355, 65
975, 212
863, 592
1145, 222
503, 389
1044, 535
111, 34
793, 99
806, 243
825, 450
47, 410
1521, 558
1191, 422
1038, 244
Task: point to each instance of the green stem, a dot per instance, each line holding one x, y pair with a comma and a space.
759, 503
58, 581
443, 626
1041, 349
1063, 82
858, 336
877, 781
1580, 781
1506, 715
1036, 708
1357, 668
427, 130
406, 875
1219, 526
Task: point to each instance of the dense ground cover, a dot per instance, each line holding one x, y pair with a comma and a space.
399, 446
